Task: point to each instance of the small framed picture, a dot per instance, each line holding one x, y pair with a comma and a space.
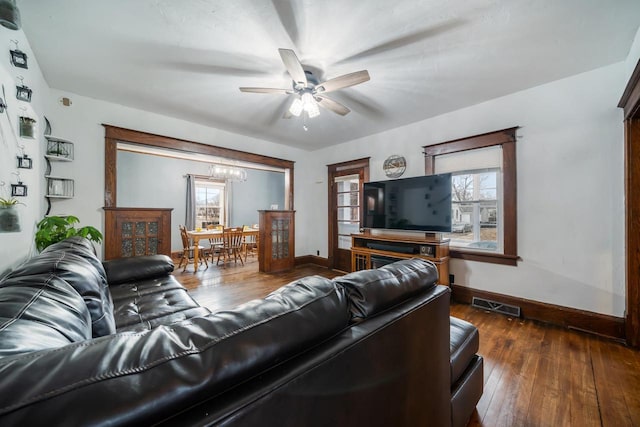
25, 162
23, 93
19, 58
19, 190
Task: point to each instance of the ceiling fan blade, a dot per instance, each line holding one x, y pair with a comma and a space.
265, 90
346, 80
332, 105
293, 66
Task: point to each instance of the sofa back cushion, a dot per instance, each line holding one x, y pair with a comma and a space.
128, 270
38, 312
170, 367
74, 261
372, 291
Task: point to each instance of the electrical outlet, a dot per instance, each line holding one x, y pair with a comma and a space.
318, 253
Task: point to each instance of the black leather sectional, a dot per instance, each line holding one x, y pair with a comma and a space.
123, 343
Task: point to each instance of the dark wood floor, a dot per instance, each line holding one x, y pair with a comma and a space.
534, 374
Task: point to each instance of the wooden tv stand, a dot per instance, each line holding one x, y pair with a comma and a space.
382, 247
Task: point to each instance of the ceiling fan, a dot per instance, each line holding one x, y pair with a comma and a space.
309, 92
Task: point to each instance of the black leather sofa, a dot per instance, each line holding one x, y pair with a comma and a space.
122, 343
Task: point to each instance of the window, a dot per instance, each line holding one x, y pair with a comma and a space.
348, 208
475, 210
211, 203
484, 213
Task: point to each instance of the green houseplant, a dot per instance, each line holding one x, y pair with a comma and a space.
9, 218
53, 229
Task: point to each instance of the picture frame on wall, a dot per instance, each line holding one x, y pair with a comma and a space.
19, 59
23, 93
18, 190
25, 162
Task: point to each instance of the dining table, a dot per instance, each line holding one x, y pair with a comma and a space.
197, 235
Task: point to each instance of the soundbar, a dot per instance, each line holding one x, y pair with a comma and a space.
392, 248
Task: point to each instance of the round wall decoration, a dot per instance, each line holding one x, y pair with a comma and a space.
394, 166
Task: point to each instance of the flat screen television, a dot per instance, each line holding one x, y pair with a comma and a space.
420, 203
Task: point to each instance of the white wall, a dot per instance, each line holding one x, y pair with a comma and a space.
15, 247
633, 57
570, 188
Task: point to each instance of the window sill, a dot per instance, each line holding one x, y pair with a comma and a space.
489, 257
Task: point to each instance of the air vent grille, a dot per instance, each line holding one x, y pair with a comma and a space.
498, 307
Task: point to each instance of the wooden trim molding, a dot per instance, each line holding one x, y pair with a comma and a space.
114, 134
492, 258
506, 138
630, 103
312, 259
571, 318
630, 100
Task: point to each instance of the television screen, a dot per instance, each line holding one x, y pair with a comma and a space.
420, 203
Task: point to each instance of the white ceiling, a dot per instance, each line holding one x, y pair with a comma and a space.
187, 58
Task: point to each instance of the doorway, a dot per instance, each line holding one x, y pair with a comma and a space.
345, 209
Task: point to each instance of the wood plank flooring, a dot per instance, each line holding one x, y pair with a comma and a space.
534, 374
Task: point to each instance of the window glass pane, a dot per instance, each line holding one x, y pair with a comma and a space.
475, 210
210, 203
348, 214
349, 199
347, 228
344, 242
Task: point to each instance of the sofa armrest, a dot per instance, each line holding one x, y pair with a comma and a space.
124, 270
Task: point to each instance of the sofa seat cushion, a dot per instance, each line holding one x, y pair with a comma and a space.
147, 304
74, 261
463, 344
40, 312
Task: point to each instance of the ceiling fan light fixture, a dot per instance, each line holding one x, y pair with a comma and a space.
296, 107
310, 105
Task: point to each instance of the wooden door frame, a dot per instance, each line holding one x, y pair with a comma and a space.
630, 103
114, 134
338, 169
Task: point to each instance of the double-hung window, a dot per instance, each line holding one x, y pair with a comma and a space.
483, 189
211, 202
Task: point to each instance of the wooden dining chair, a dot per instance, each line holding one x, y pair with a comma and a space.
249, 241
187, 250
216, 244
232, 246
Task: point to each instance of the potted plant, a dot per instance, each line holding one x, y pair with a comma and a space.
9, 218
53, 229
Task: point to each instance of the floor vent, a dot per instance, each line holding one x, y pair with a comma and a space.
498, 307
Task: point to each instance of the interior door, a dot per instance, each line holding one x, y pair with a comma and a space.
345, 201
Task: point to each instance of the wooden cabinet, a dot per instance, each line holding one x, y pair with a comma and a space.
276, 249
137, 231
372, 251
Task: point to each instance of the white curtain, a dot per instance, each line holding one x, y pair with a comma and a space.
190, 220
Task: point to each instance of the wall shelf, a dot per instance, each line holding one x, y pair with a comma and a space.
58, 187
